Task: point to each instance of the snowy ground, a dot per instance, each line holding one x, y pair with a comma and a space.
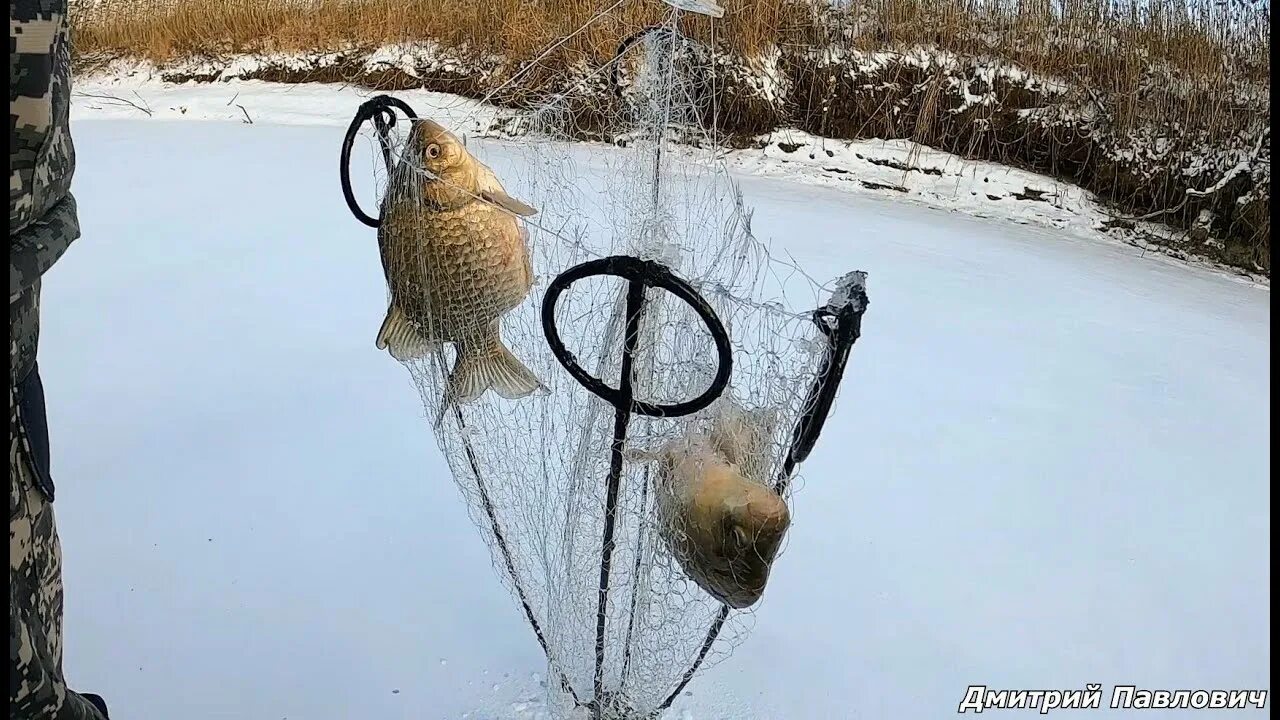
1049, 465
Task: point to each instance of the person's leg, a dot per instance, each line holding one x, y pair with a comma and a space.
37, 689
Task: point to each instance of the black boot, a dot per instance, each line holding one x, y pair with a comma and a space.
97, 702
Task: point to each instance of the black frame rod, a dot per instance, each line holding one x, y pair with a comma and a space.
621, 420
640, 274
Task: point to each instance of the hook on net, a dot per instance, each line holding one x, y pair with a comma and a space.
840, 320
381, 110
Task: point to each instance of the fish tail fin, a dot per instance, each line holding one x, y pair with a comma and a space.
398, 336
482, 366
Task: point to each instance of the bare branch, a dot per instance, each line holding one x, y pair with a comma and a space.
119, 101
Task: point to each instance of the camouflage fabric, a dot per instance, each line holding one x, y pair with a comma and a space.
42, 212
36, 687
42, 223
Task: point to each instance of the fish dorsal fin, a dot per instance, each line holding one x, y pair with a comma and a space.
490, 190
505, 201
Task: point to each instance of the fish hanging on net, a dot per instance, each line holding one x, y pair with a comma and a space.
456, 258
720, 520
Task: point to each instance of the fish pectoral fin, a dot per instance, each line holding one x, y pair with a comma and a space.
505, 201
399, 337
492, 367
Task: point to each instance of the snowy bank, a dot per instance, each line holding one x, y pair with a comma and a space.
895, 168
1163, 123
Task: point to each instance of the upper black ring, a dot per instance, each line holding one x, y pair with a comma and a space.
378, 108
648, 274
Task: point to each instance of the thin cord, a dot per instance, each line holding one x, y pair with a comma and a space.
534, 63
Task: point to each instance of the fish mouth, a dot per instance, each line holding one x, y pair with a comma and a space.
741, 588
736, 577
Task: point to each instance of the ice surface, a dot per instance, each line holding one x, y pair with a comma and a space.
869, 167
1048, 467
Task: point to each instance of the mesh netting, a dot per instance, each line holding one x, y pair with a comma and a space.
530, 448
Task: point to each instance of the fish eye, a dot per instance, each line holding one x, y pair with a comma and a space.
433, 151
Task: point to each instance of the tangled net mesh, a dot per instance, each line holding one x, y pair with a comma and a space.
532, 471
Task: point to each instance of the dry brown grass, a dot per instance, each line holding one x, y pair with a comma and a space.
1201, 47
1195, 71
515, 29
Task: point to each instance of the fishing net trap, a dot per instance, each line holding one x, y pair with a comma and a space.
621, 377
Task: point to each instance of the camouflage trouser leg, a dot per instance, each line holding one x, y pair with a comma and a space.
36, 687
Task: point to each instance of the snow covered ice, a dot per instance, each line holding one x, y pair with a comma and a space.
1048, 465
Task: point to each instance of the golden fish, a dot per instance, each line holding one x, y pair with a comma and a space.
722, 526
456, 258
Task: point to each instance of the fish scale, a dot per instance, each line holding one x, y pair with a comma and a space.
467, 267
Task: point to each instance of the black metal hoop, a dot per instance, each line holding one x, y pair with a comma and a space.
380, 110
646, 273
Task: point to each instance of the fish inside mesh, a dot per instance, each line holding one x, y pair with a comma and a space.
718, 516
455, 259
533, 472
